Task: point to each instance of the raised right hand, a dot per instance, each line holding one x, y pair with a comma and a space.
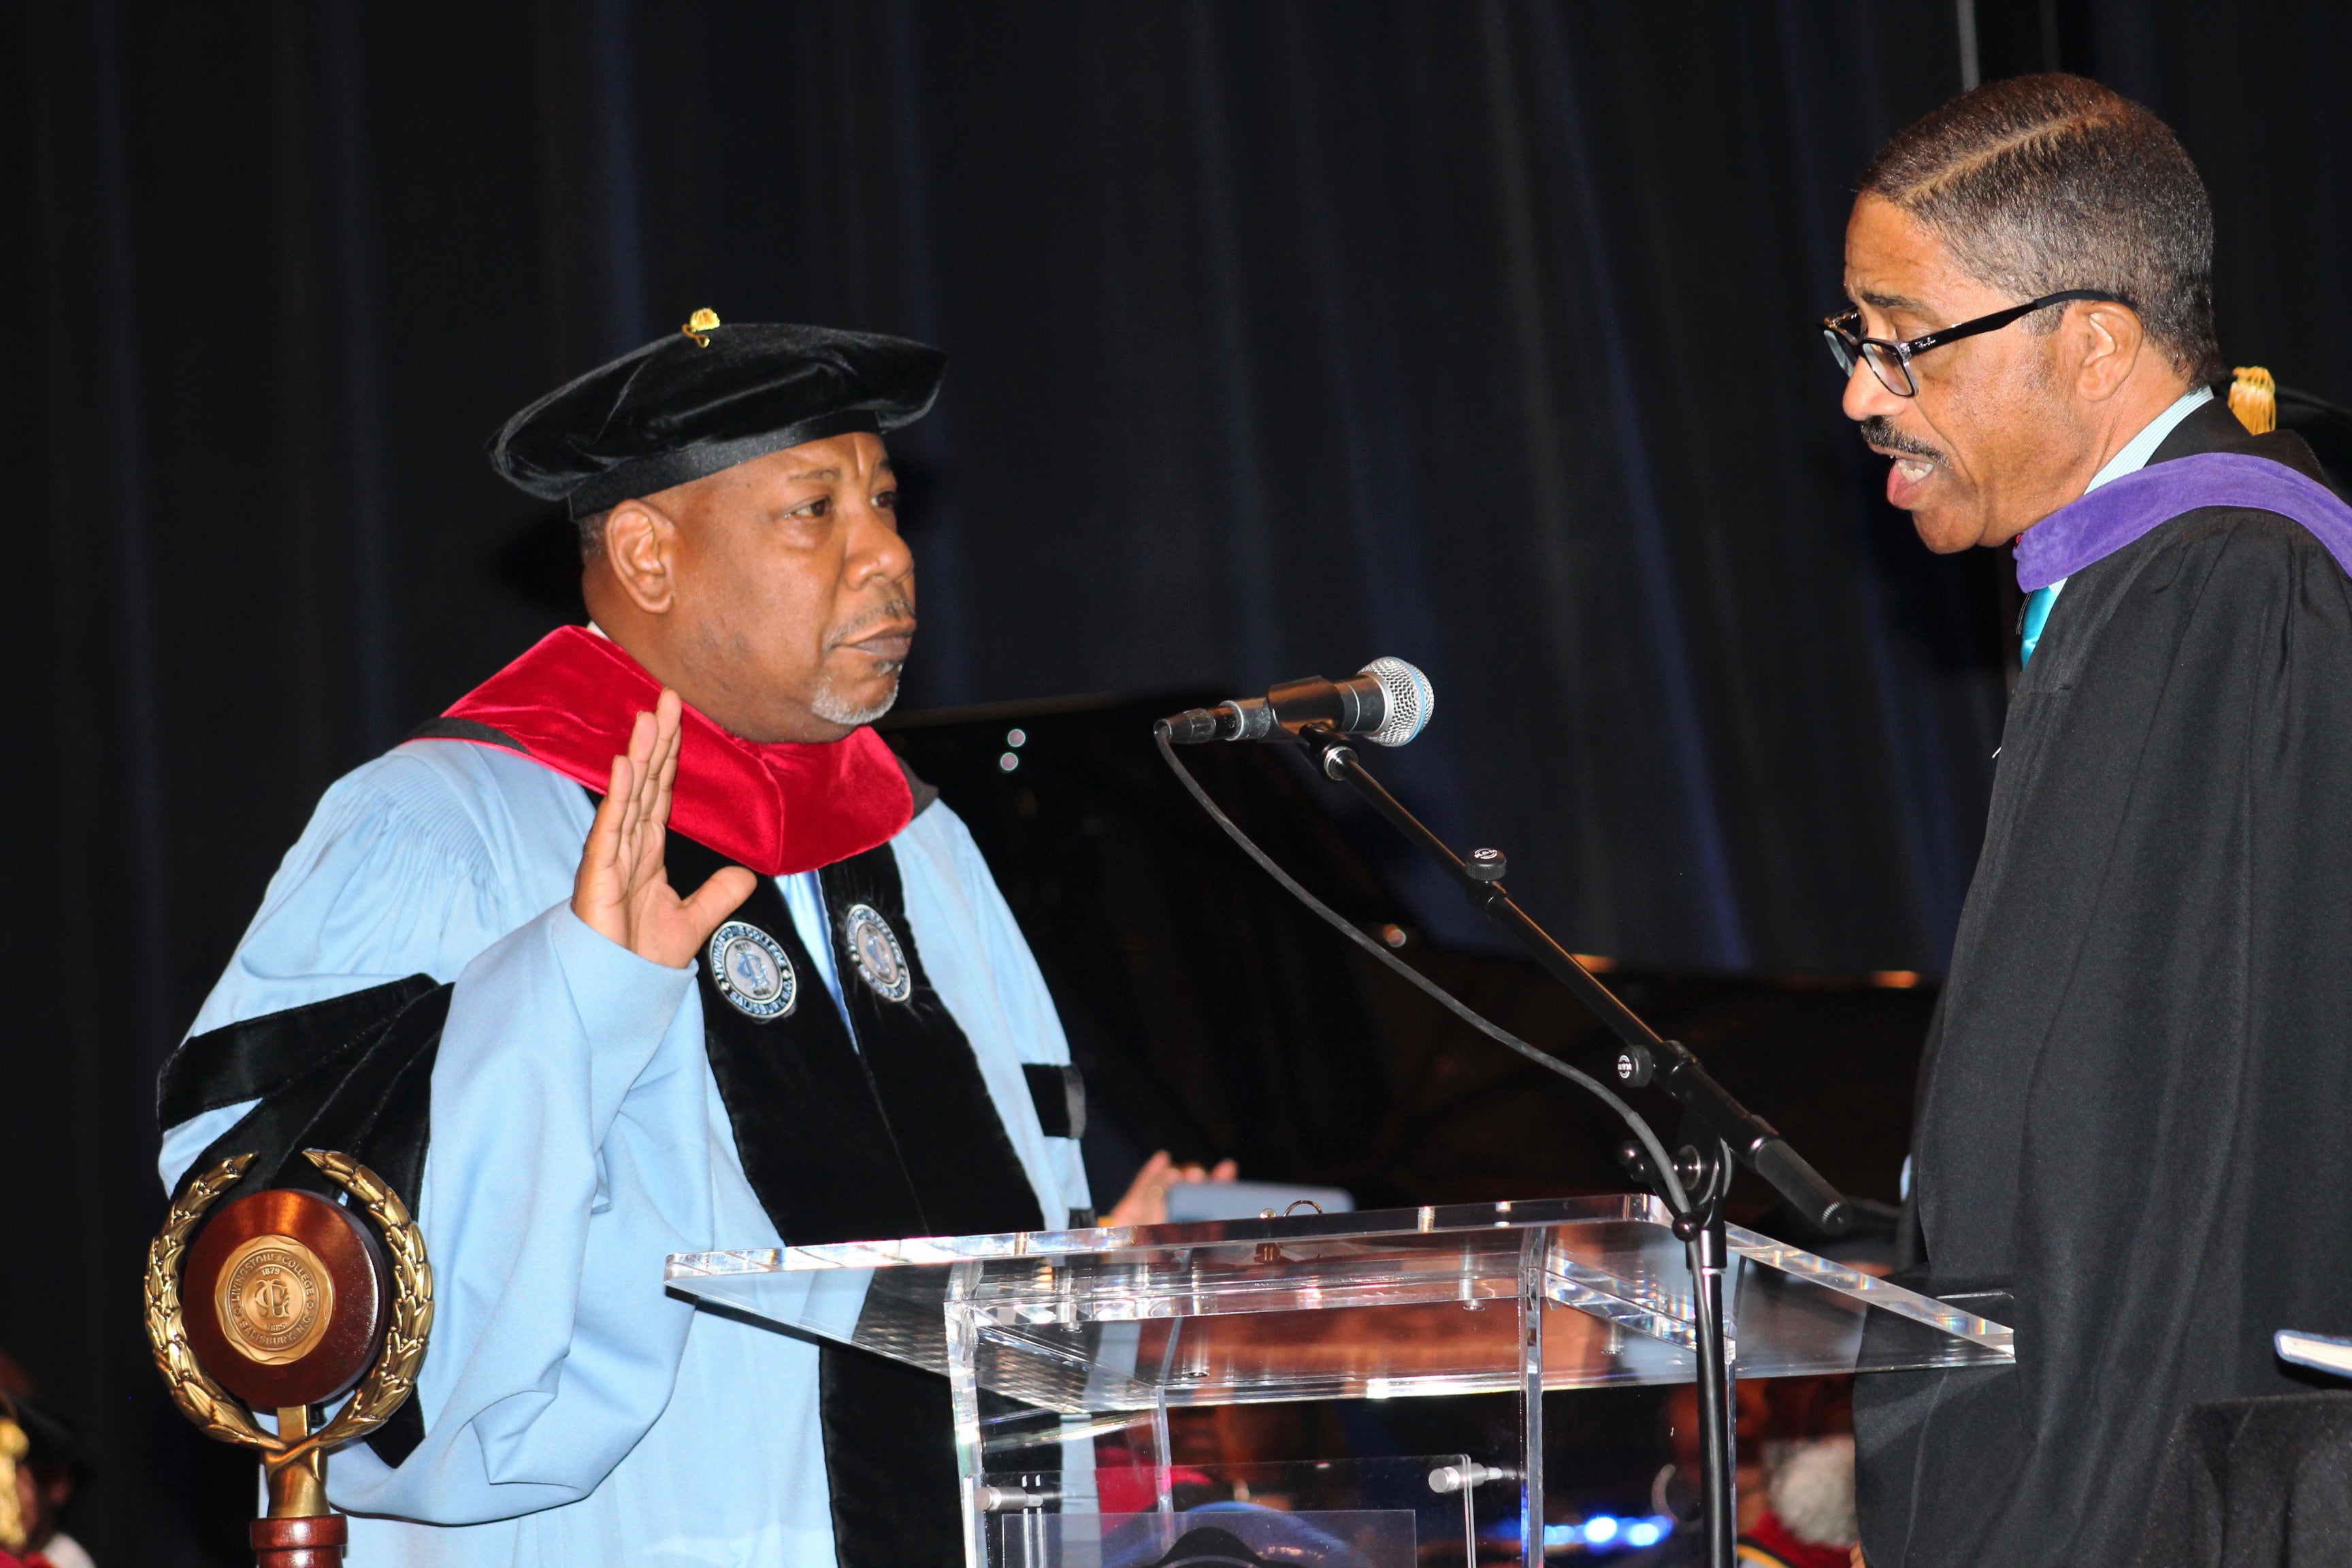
623, 892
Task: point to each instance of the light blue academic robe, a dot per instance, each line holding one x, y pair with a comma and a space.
576, 1414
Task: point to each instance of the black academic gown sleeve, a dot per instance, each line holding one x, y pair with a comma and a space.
2138, 1113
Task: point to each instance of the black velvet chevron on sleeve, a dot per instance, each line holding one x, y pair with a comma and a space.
1060, 1097
353, 1073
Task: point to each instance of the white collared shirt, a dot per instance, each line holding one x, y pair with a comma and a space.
2137, 451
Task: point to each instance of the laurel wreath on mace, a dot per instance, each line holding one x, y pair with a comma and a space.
387, 1383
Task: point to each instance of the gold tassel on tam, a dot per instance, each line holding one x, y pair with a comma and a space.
2253, 398
14, 1447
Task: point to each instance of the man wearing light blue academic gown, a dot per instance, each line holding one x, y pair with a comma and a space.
478, 934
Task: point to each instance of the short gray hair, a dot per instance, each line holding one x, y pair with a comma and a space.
2040, 183
592, 535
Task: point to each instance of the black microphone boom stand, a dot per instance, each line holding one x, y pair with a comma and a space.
1716, 1128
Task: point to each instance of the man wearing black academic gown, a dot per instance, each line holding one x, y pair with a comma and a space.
2135, 1129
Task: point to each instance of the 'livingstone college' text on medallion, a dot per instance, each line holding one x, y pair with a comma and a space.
752, 971
275, 1299
874, 947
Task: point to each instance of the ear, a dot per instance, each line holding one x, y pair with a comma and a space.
2111, 338
640, 554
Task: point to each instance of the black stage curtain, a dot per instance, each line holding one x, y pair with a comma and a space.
1285, 334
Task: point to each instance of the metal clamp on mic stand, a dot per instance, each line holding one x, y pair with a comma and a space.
1716, 1128
1646, 1058
1387, 702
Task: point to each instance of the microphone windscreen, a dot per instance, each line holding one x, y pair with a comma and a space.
1410, 700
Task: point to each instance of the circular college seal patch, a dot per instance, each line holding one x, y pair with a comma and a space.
752, 971
275, 1299
881, 961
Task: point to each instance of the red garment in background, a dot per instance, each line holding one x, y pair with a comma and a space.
1767, 1544
1125, 1485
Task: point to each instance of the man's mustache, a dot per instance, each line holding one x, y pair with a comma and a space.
897, 609
1876, 432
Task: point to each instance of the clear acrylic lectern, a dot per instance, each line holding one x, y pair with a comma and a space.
1083, 1334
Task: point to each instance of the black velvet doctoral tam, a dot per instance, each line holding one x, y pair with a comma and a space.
708, 398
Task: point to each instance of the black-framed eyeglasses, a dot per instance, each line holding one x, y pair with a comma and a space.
1891, 360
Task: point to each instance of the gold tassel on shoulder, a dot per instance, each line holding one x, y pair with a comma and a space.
2253, 398
15, 1527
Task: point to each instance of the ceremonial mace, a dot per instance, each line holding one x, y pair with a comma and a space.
294, 1299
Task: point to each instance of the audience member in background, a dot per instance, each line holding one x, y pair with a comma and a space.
1677, 1489
1806, 1515
2135, 1133
41, 1463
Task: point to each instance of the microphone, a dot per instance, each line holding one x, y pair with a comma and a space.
1387, 702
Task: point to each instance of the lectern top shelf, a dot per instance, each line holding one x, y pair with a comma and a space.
1372, 1304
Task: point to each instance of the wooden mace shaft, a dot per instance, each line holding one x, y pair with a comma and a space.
313, 1542
301, 1531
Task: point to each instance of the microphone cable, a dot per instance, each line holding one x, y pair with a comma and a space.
1676, 1197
